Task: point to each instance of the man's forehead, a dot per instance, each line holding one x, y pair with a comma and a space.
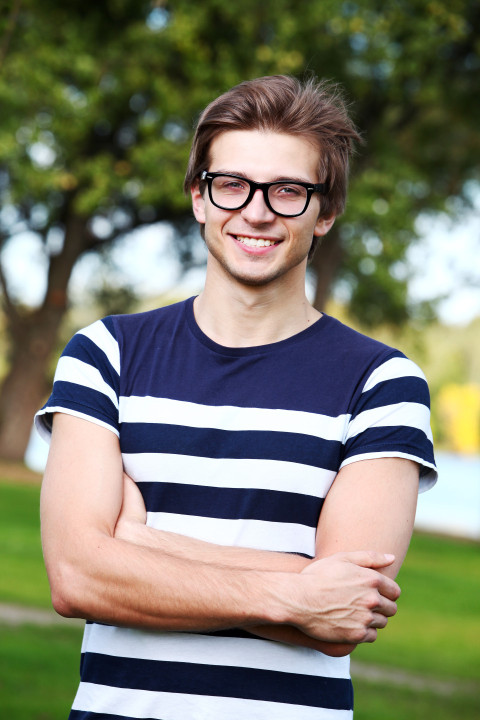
267, 153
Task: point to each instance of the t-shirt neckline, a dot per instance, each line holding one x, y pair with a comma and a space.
313, 329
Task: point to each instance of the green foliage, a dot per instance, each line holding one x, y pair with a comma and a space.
98, 104
448, 355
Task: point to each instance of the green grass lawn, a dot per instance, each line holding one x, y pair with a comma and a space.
38, 671
436, 633
437, 629
380, 701
23, 579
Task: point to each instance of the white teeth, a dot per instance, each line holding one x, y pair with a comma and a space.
255, 242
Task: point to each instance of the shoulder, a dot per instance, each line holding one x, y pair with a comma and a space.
139, 324
343, 337
378, 369
359, 356
147, 319
109, 334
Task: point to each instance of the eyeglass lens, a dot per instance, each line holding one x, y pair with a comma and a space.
285, 198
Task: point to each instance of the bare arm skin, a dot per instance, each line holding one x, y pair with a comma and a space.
371, 504
98, 576
131, 527
388, 492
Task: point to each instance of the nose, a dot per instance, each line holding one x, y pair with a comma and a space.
257, 212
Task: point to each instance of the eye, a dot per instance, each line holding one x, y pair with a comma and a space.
289, 190
230, 185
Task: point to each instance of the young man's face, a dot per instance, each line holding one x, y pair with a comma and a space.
236, 238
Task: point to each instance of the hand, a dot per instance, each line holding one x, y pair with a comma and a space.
133, 511
346, 599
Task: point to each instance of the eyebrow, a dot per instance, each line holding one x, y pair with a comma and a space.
279, 178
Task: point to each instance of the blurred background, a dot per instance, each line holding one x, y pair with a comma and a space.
97, 109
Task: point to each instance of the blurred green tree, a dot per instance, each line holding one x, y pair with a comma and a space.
98, 104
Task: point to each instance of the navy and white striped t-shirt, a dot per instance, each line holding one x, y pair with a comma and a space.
236, 446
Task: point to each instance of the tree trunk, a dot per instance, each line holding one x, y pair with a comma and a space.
23, 388
326, 262
32, 340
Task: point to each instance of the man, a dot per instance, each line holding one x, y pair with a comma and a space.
239, 415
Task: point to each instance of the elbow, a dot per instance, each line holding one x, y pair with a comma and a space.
76, 577
62, 606
65, 591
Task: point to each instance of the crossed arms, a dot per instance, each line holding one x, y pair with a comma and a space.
105, 564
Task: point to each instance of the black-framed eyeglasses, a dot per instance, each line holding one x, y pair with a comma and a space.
283, 197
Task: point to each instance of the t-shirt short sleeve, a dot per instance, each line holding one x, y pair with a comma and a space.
392, 418
87, 379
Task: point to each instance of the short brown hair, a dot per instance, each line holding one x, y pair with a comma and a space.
280, 103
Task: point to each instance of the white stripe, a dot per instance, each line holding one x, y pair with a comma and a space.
407, 414
427, 480
227, 417
176, 706
46, 433
392, 369
85, 376
98, 334
229, 473
212, 650
255, 534
42, 426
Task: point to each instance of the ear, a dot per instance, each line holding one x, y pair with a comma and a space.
198, 203
323, 225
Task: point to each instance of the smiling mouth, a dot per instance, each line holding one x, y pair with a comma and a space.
255, 242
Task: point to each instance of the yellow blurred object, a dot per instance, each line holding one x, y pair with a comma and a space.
458, 408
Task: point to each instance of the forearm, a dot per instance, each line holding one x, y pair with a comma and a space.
196, 550
98, 576
110, 580
233, 557
116, 582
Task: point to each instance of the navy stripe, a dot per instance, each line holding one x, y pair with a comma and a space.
214, 443
110, 324
231, 503
84, 400
395, 438
391, 392
233, 633
235, 682
82, 348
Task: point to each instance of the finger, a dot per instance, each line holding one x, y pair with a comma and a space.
388, 588
370, 635
378, 621
385, 607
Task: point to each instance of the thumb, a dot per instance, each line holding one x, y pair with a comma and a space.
370, 558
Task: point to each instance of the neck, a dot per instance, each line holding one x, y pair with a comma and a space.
237, 315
